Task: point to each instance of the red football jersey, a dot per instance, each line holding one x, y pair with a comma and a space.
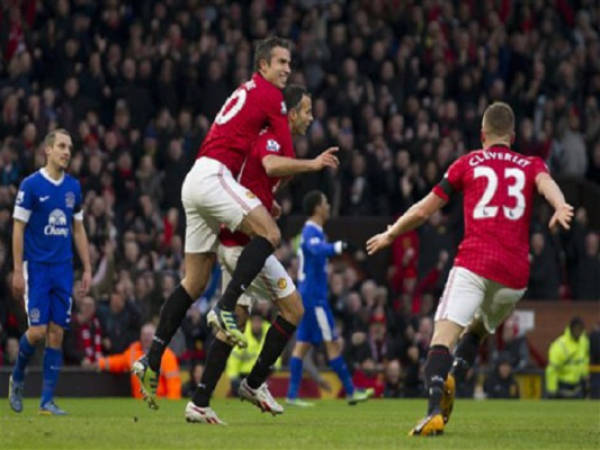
498, 186
253, 106
254, 177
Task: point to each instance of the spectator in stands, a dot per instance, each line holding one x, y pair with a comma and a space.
595, 361
393, 382
83, 341
120, 320
586, 283
367, 377
544, 279
413, 377
516, 348
169, 382
568, 362
501, 382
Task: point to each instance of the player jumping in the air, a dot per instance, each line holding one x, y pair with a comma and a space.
47, 217
211, 197
266, 165
317, 324
491, 268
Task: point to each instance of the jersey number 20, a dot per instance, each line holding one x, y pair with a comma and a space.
515, 190
231, 107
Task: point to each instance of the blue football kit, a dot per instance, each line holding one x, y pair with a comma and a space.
317, 324
48, 207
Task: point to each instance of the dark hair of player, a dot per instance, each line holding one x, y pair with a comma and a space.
292, 95
263, 49
499, 119
311, 201
50, 137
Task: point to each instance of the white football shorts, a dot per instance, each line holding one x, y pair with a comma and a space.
272, 283
211, 197
468, 296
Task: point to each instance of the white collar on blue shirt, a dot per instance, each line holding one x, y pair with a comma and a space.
314, 224
47, 176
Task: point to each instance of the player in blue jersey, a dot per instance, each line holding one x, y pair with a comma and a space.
47, 217
317, 324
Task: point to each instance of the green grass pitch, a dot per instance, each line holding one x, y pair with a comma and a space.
126, 423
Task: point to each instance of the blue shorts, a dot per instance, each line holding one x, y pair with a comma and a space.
317, 325
48, 289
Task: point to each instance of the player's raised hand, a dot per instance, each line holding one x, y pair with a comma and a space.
379, 242
562, 216
86, 281
328, 159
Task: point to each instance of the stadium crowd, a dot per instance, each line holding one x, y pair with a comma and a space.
399, 86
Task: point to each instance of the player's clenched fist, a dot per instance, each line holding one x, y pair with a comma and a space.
562, 216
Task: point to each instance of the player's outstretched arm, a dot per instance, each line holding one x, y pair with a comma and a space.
283, 166
563, 212
18, 279
81, 243
416, 215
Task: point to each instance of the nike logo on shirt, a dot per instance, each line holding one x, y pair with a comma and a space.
44, 198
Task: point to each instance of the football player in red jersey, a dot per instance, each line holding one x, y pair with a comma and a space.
211, 196
262, 173
491, 268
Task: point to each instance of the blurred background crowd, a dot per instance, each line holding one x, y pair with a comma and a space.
399, 86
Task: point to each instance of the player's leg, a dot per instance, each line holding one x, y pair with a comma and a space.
198, 267
59, 318
338, 365
274, 283
266, 236
299, 352
466, 350
198, 409
52, 364
16, 383
463, 295
200, 245
37, 303
326, 329
213, 194
254, 388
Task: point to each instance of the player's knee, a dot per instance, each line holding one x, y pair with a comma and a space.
37, 333
273, 235
292, 309
194, 285
55, 336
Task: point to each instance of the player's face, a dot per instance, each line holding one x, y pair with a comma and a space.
277, 71
302, 117
59, 154
325, 208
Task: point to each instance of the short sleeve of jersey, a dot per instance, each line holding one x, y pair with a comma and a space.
78, 209
24, 202
538, 166
267, 144
452, 181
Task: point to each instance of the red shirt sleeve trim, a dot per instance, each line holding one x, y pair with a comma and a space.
437, 190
